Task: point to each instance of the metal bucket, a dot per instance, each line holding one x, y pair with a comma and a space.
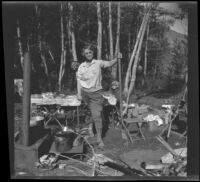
64, 141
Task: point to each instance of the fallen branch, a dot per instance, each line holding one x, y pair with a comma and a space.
79, 162
168, 147
125, 170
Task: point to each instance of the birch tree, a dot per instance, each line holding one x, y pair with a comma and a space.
20, 45
128, 73
129, 44
71, 33
133, 77
110, 31
106, 44
145, 53
114, 68
72, 44
63, 50
99, 37
42, 55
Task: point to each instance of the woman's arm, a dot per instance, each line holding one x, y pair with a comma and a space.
106, 64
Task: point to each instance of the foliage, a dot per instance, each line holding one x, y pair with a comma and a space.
179, 60
85, 28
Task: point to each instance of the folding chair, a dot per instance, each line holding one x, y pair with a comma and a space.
115, 117
138, 122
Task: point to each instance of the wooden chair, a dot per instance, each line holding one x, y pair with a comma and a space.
138, 122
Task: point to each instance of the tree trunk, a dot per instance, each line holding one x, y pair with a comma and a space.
28, 50
114, 68
40, 41
106, 44
128, 73
20, 45
25, 125
99, 37
74, 47
69, 34
137, 58
62, 60
73, 39
72, 42
145, 54
110, 31
129, 44
133, 77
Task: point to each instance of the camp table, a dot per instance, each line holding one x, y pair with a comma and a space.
56, 103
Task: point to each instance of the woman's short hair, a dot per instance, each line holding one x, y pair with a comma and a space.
89, 47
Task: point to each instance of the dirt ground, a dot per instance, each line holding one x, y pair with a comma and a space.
149, 150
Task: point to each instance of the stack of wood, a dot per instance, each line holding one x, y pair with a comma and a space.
172, 164
171, 169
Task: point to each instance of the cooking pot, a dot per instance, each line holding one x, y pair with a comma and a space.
64, 141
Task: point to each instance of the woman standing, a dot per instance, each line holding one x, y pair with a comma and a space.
89, 87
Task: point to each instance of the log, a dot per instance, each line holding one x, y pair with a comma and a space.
125, 170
